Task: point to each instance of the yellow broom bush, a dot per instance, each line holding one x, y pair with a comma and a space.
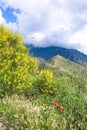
45, 82
16, 65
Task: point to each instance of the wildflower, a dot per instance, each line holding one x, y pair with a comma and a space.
54, 103
61, 108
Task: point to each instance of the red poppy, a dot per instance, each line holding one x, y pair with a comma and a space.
61, 108
54, 103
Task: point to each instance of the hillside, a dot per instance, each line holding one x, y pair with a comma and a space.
67, 72
49, 52
60, 64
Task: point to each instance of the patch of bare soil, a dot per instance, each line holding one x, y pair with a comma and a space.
3, 127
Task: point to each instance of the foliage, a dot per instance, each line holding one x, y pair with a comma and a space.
16, 66
22, 113
46, 113
45, 83
73, 98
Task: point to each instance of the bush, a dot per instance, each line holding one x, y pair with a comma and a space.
16, 66
45, 83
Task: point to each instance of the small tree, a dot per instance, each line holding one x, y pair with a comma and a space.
16, 65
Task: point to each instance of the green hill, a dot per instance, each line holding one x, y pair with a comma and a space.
68, 74
59, 64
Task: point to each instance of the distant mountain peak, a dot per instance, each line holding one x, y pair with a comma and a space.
49, 52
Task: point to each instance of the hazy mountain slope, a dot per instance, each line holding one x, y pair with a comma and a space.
49, 52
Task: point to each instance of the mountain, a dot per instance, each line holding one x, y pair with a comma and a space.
49, 52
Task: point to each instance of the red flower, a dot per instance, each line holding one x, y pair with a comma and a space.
61, 108
54, 103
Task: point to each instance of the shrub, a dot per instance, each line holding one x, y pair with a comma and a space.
16, 66
45, 83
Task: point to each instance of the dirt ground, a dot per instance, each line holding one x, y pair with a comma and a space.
3, 127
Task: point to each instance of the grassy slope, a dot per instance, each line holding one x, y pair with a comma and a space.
60, 64
68, 74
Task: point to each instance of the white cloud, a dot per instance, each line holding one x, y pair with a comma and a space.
50, 22
80, 39
37, 38
2, 20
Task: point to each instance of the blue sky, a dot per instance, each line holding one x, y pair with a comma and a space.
8, 15
48, 22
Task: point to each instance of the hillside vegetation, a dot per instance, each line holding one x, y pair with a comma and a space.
58, 63
39, 95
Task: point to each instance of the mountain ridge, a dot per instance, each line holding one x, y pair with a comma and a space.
49, 52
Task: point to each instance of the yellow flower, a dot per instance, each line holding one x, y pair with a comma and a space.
30, 84
9, 82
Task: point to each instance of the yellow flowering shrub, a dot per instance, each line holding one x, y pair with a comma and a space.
16, 65
45, 82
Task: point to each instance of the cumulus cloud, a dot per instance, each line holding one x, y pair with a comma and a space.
2, 20
79, 38
50, 22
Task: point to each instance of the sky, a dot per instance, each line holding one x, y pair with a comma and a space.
48, 22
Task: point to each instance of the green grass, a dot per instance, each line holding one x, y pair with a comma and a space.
36, 112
